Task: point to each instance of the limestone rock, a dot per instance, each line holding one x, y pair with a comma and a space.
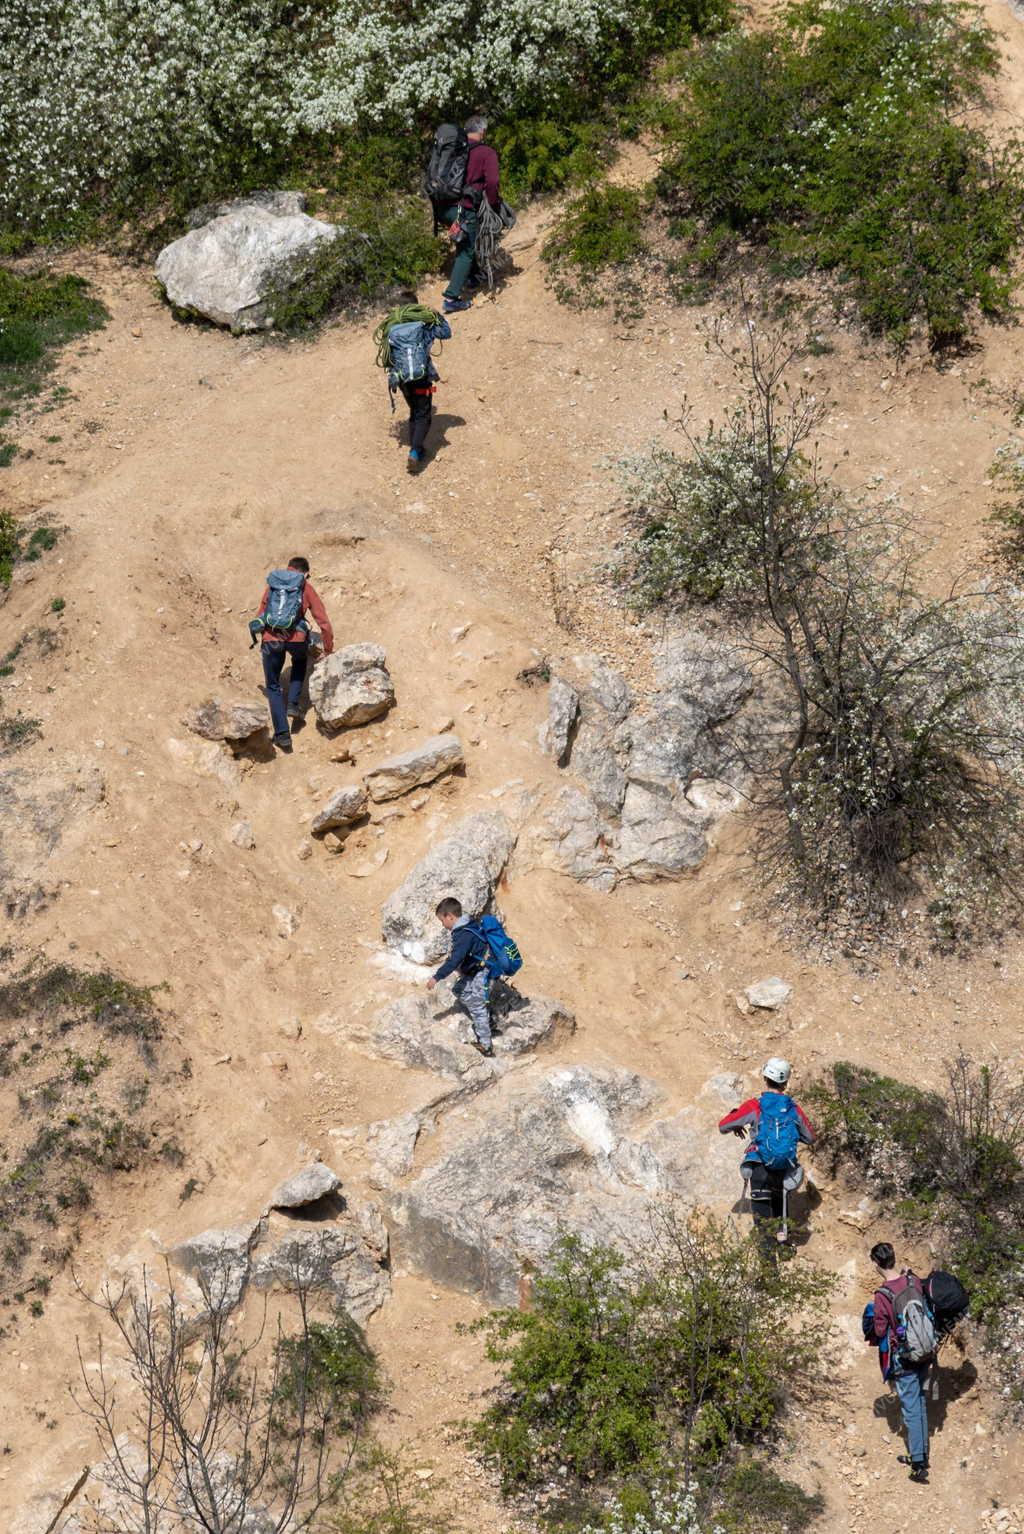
218, 1260
335, 1259
236, 267
433, 1033
574, 838
342, 808
214, 720
467, 864
653, 841
769, 994
306, 1187
562, 1151
285, 920
422, 764
351, 686
241, 835
392, 1144
563, 711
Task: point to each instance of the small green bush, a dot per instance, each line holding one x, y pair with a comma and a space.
602, 230
38, 315
332, 1364
626, 1365
836, 138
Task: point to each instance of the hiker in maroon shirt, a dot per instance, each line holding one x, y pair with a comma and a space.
482, 181
277, 646
909, 1378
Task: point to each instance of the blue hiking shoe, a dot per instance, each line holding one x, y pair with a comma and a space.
456, 305
415, 461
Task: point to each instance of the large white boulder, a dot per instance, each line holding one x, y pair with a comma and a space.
235, 268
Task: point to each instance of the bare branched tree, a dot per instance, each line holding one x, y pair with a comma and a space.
211, 1430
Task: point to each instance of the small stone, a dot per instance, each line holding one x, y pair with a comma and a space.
291, 1028
214, 720
411, 769
285, 919
442, 726
304, 850
343, 807
306, 1187
769, 994
458, 633
275, 1062
241, 835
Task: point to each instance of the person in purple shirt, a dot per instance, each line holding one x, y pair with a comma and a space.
482, 180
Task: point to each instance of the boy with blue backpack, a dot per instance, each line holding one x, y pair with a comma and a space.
282, 628
481, 951
778, 1127
405, 338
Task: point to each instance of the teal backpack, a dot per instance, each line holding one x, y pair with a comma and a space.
502, 953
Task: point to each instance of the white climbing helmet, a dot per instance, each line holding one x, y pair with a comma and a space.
776, 1071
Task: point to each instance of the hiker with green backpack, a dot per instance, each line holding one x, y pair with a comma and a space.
404, 340
282, 630
481, 952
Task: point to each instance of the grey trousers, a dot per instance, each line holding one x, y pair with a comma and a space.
472, 992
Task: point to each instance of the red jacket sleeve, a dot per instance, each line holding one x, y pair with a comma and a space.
264, 599
746, 1114
807, 1134
311, 603
885, 1316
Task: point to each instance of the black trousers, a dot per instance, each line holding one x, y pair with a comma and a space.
420, 399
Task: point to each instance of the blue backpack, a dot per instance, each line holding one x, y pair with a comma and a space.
778, 1134
409, 351
502, 957
283, 611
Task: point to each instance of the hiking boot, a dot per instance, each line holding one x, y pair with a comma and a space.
456, 305
487, 1050
918, 1468
415, 461
283, 743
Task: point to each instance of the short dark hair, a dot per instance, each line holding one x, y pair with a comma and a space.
449, 906
297, 562
883, 1254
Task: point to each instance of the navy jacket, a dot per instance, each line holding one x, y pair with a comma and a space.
462, 957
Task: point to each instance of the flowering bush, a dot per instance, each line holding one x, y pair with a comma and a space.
837, 137
671, 1512
106, 101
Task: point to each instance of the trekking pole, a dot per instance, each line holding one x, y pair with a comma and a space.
783, 1234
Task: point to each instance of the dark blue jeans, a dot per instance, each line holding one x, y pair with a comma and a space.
275, 652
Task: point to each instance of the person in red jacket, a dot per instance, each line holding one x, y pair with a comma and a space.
482, 180
765, 1183
276, 648
910, 1379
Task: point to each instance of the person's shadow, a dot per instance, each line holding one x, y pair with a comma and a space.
440, 426
946, 1384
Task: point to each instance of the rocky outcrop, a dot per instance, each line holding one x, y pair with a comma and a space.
306, 1187
467, 864
336, 1260
344, 807
280, 204
235, 267
769, 994
433, 1033
351, 686
563, 1151
218, 1260
422, 764
653, 779
214, 720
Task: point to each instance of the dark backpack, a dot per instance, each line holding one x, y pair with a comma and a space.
283, 611
916, 1338
445, 178
501, 955
778, 1133
948, 1298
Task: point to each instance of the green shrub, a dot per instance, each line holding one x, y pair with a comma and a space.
627, 1363
331, 1363
836, 138
38, 315
601, 230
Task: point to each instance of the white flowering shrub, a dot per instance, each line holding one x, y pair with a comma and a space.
898, 788
671, 1512
105, 100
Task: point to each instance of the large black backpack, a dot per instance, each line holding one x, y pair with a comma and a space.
949, 1300
445, 179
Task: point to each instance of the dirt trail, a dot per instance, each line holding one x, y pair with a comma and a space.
190, 463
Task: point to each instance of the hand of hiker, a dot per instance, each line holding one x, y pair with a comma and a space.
431, 983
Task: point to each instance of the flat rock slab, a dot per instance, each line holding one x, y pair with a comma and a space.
305, 1187
351, 686
422, 764
342, 808
433, 1033
236, 268
334, 1260
467, 865
214, 720
769, 994
218, 1259
565, 1150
